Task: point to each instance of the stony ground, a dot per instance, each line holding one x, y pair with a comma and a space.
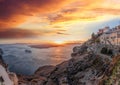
114, 78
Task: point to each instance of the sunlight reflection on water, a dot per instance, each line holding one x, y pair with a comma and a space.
26, 63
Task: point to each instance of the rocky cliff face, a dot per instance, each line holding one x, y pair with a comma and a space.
84, 68
1, 59
6, 77
90, 64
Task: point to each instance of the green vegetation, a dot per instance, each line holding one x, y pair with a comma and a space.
115, 76
97, 40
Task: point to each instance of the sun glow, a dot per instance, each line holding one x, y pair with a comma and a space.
59, 42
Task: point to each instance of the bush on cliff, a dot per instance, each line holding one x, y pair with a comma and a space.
107, 51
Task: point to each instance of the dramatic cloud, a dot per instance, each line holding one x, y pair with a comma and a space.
58, 18
16, 33
61, 33
85, 11
109, 11
12, 33
50, 17
17, 11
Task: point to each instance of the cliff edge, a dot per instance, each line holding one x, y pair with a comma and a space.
92, 63
6, 77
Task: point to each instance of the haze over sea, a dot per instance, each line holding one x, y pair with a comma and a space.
23, 59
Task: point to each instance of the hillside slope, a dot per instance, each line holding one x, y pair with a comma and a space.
92, 63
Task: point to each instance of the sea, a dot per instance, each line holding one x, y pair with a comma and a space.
24, 59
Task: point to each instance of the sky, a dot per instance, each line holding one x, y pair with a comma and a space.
40, 21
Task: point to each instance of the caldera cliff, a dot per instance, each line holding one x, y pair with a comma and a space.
92, 63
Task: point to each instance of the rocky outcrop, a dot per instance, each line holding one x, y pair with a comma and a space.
1, 59
38, 78
92, 63
85, 68
88, 66
6, 77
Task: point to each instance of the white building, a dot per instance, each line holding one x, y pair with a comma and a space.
113, 35
103, 30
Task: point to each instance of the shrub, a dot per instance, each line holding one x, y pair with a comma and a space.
107, 51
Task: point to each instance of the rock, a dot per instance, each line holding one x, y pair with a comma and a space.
1, 52
84, 68
4, 77
39, 77
31, 80
44, 71
76, 48
2, 61
8, 77
28, 51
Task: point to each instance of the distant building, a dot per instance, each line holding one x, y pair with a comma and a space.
113, 35
103, 30
100, 31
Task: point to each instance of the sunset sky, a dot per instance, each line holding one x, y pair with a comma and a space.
37, 21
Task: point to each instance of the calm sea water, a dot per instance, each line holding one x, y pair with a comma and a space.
27, 63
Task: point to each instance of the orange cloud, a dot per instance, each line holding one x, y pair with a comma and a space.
16, 33
13, 12
63, 18
85, 10
16, 12
109, 11
12, 33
